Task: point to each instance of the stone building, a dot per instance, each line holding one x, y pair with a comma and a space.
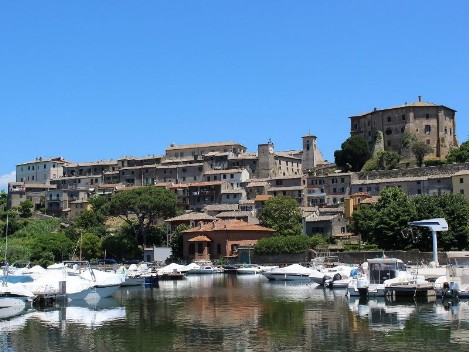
41, 170
431, 123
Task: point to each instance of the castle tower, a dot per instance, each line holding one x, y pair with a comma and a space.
265, 154
308, 158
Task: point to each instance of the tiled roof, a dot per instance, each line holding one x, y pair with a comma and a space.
221, 207
227, 225
370, 200
92, 163
200, 239
232, 191
286, 188
234, 214
217, 172
331, 210
246, 201
202, 145
206, 183
179, 166
263, 197
415, 104
257, 184
252, 156
59, 160
192, 216
315, 218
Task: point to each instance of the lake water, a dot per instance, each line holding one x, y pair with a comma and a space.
238, 313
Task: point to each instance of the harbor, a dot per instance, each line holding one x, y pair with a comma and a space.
237, 313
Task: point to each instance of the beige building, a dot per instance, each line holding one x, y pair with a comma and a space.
460, 181
196, 150
431, 123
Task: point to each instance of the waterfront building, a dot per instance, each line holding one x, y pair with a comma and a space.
220, 239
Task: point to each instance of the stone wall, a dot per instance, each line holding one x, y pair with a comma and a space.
410, 257
444, 170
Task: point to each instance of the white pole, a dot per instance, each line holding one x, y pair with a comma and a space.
435, 250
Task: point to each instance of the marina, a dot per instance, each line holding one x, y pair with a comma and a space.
238, 313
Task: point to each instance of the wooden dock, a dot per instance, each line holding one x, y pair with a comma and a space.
425, 289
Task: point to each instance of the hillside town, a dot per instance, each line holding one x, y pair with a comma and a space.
223, 181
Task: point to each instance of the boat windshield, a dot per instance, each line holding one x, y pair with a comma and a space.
379, 272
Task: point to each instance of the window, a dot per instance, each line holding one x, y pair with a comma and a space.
389, 118
192, 248
231, 176
419, 191
461, 191
224, 176
218, 248
428, 141
427, 116
461, 180
403, 117
428, 129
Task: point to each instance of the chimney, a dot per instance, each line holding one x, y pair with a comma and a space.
375, 109
420, 98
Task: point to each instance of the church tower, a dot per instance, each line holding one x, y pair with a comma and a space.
308, 158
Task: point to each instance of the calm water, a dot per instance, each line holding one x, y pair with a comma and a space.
238, 313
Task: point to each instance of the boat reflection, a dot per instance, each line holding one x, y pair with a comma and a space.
382, 313
88, 314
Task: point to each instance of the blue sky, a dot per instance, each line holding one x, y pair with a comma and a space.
96, 80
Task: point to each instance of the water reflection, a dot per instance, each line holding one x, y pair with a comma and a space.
238, 313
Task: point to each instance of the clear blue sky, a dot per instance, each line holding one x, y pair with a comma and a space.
94, 80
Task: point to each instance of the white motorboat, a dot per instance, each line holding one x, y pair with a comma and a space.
57, 281
249, 269
333, 277
105, 283
455, 284
294, 272
386, 276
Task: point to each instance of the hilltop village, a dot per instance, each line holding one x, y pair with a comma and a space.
222, 181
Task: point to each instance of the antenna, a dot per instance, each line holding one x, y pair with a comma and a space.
434, 225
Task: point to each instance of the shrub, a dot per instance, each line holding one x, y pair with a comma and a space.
284, 245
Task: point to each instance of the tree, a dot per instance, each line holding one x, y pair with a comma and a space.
91, 247
140, 207
381, 223
282, 214
384, 160
177, 242
55, 244
420, 150
121, 246
459, 155
353, 154
25, 208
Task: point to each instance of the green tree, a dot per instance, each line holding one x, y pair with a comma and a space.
284, 245
353, 154
121, 246
459, 155
420, 150
454, 208
282, 214
25, 208
140, 207
59, 245
382, 222
91, 247
3, 201
177, 242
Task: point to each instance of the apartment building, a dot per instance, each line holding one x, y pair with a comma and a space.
195, 150
40, 170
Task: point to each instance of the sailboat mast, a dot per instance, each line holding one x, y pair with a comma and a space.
6, 240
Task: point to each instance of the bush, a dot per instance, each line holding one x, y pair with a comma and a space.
284, 245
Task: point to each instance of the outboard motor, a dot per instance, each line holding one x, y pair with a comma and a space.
362, 286
326, 281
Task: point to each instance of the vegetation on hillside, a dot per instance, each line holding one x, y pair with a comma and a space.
282, 214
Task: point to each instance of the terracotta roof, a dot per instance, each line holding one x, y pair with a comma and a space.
246, 201
234, 214
192, 216
200, 239
415, 104
370, 200
227, 225
206, 183
263, 197
178, 166
252, 156
203, 145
